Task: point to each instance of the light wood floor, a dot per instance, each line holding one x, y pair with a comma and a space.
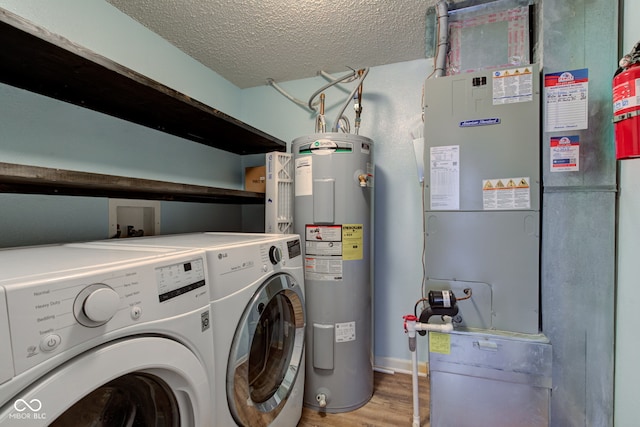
391, 405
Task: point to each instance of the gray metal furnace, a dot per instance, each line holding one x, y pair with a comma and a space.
333, 210
482, 192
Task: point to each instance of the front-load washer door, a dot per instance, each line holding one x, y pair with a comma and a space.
266, 352
146, 381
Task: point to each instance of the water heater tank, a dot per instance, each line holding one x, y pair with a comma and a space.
332, 214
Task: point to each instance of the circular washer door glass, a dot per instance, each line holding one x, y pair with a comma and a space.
135, 399
266, 352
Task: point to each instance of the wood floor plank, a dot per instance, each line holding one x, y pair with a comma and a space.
390, 405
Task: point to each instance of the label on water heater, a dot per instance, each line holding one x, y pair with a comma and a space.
345, 332
304, 176
352, 242
322, 268
323, 252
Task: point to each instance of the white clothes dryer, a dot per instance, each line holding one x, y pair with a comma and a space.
258, 322
105, 337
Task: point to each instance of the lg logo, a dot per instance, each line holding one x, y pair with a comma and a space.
22, 406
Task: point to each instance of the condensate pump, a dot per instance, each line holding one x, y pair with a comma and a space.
441, 303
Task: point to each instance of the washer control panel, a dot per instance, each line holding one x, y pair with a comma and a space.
61, 310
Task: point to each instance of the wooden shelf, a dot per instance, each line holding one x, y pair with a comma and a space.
34, 59
40, 180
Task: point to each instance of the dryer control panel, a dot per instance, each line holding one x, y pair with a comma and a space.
232, 265
77, 309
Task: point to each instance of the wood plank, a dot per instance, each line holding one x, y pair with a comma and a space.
15, 178
39, 61
391, 405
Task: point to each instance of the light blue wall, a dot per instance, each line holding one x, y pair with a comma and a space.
39, 131
627, 377
103, 29
36, 130
391, 113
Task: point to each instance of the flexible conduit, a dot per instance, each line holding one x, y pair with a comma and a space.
351, 95
443, 37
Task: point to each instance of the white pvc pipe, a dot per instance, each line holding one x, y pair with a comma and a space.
414, 383
445, 327
411, 326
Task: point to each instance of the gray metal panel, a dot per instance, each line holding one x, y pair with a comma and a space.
324, 201
467, 401
499, 379
323, 346
505, 150
497, 248
578, 222
578, 304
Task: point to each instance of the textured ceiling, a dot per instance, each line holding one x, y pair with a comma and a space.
249, 41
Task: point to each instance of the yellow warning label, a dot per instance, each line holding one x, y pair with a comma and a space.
500, 184
352, 242
511, 184
523, 183
488, 185
439, 343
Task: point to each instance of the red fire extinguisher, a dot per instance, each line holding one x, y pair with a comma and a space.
626, 105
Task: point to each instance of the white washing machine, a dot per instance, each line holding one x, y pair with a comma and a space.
258, 322
105, 337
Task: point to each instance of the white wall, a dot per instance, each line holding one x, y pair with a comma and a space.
391, 113
627, 374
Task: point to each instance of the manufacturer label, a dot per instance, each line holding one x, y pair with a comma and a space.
480, 122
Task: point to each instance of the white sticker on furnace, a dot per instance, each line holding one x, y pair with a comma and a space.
345, 332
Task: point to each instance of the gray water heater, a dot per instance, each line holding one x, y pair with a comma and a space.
333, 201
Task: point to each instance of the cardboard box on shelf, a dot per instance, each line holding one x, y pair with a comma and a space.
255, 179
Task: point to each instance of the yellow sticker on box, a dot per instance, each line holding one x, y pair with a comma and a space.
439, 343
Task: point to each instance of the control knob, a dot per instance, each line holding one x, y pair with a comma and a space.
275, 255
96, 304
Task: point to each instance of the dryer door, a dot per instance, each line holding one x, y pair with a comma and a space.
146, 381
266, 352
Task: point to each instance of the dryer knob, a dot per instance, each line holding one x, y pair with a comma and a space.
275, 255
101, 305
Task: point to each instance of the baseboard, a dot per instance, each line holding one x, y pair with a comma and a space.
401, 366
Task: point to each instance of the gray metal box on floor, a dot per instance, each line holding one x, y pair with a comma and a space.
479, 378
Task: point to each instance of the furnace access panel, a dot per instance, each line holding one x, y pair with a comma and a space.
482, 192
